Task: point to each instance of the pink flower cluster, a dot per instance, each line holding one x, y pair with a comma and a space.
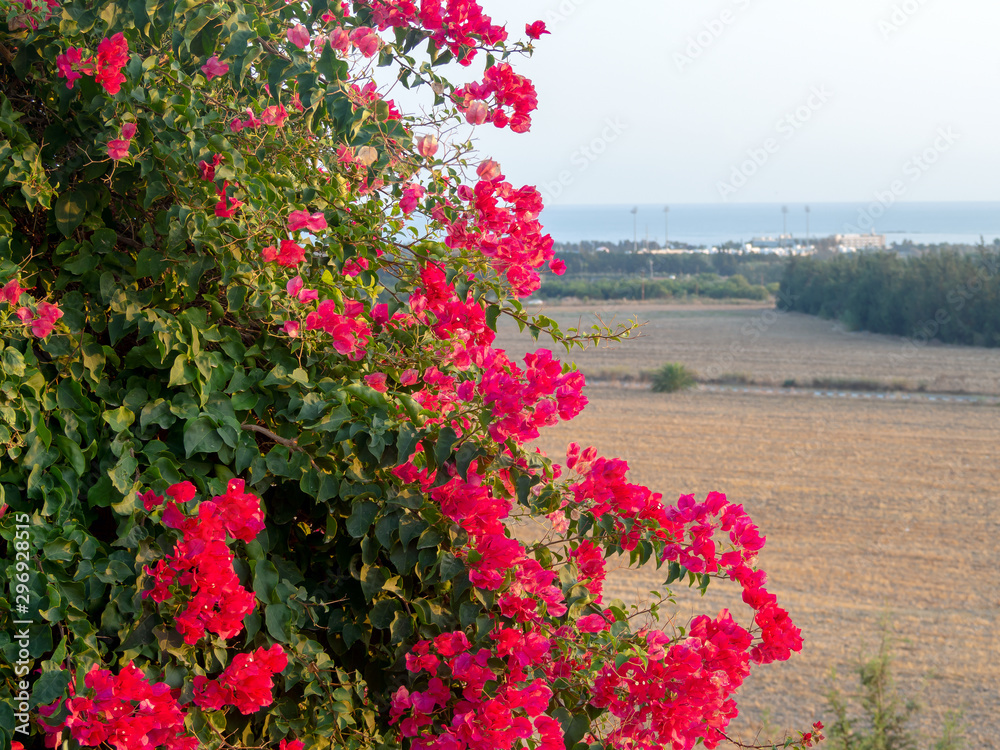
692, 525
112, 55
503, 97
118, 147
246, 683
604, 489
524, 401
124, 711
460, 25
510, 235
43, 321
202, 563
450, 317
228, 205
496, 719
677, 696
349, 331
34, 11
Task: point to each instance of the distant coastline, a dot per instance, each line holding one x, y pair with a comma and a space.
714, 224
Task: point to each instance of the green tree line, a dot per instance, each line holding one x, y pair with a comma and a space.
584, 260
703, 285
949, 296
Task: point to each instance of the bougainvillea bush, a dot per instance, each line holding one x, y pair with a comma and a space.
261, 457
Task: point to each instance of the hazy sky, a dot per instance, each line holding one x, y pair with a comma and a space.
692, 101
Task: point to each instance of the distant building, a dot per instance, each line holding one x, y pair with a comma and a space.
854, 242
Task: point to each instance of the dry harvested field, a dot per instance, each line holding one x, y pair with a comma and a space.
770, 346
869, 506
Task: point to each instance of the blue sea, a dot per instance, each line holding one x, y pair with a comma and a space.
710, 224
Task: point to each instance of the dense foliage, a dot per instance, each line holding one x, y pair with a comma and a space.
262, 460
949, 296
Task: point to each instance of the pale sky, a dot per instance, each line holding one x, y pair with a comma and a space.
695, 101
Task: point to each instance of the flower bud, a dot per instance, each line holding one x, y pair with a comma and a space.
489, 170
427, 146
477, 112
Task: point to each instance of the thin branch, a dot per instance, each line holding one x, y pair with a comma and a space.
290, 444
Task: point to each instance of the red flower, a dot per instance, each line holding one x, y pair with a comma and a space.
11, 292
536, 29
206, 170
276, 114
557, 266
150, 500
214, 68
376, 381
290, 254
366, 40
298, 220
45, 319
112, 55
298, 35
246, 683
340, 39
118, 149
67, 63
355, 266
182, 492
226, 206
412, 195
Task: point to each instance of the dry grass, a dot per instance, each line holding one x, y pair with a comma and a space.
868, 506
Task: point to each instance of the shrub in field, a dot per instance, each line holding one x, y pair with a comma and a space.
673, 377
260, 450
877, 716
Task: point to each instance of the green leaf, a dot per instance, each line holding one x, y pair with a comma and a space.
442, 449
361, 519
49, 686
120, 419
278, 618
13, 362
265, 580
201, 436
451, 566
406, 441
383, 613
72, 453
372, 580
70, 211
401, 628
